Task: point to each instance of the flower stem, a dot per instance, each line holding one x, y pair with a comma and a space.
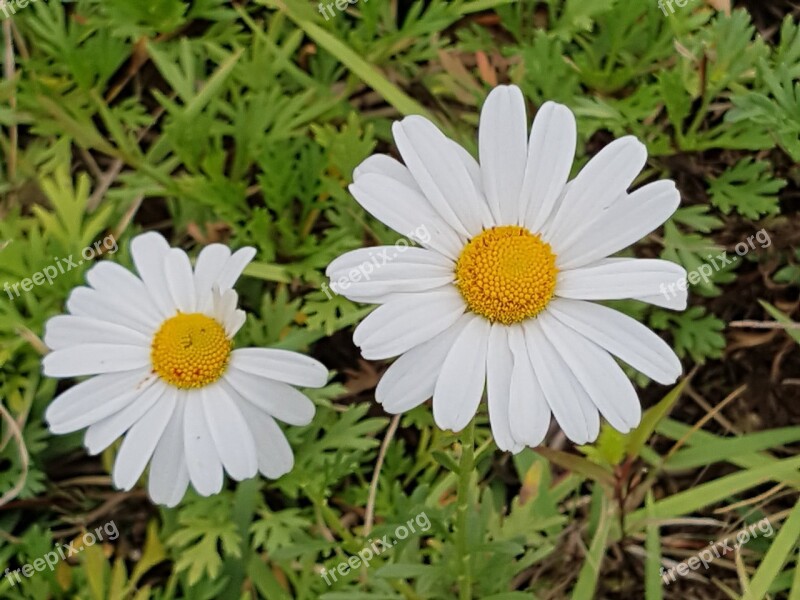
465, 467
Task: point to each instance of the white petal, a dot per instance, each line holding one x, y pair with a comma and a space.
472, 166
101, 435
503, 142
673, 299
406, 321
551, 151
141, 441
372, 274
94, 359
126, 290
599, 184
406, 210
619, 279
411, 379
234, 267
627, 221
528, 409
571, 406
207, 270
460, 384
499, 363
149, 252
603, 379
235, 322
281, 365
180, 280
621, 335
224, 311
205, 467
384, 256
169, 475
223, 303
441, 174
95, 399
381, 164
275, 457
86, 302
232, 437
63, 331
277, 399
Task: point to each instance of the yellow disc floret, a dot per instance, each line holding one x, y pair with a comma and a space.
190, 350
506, 274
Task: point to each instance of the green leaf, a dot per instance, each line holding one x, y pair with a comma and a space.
609, 449
697, 334
96, 569
637, 438
408, 571
264, 581
205, 525
749, 187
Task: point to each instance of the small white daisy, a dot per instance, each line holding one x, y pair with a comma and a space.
167, 376
501, 293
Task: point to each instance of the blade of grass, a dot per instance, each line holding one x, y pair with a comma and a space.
652, 565
675, 430
782, 319
777, 555
577, 464
726, 449
368, 73
590, 571
480, 5
795, 593
267, 272
717, 490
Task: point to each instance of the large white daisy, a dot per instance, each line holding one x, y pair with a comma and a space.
167, 377
502, 293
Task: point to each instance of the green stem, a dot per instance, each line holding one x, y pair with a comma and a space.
465, 467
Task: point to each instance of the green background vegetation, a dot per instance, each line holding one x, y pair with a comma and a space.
242, 123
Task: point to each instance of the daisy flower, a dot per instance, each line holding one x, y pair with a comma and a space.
502, 294
165, 374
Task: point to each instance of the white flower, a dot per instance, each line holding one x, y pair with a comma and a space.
166, 374
501, 293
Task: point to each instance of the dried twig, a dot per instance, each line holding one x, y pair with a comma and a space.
369, 517
763, 325
9, 72
24, 458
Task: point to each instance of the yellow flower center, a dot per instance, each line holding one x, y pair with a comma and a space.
190, 350
506, 274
